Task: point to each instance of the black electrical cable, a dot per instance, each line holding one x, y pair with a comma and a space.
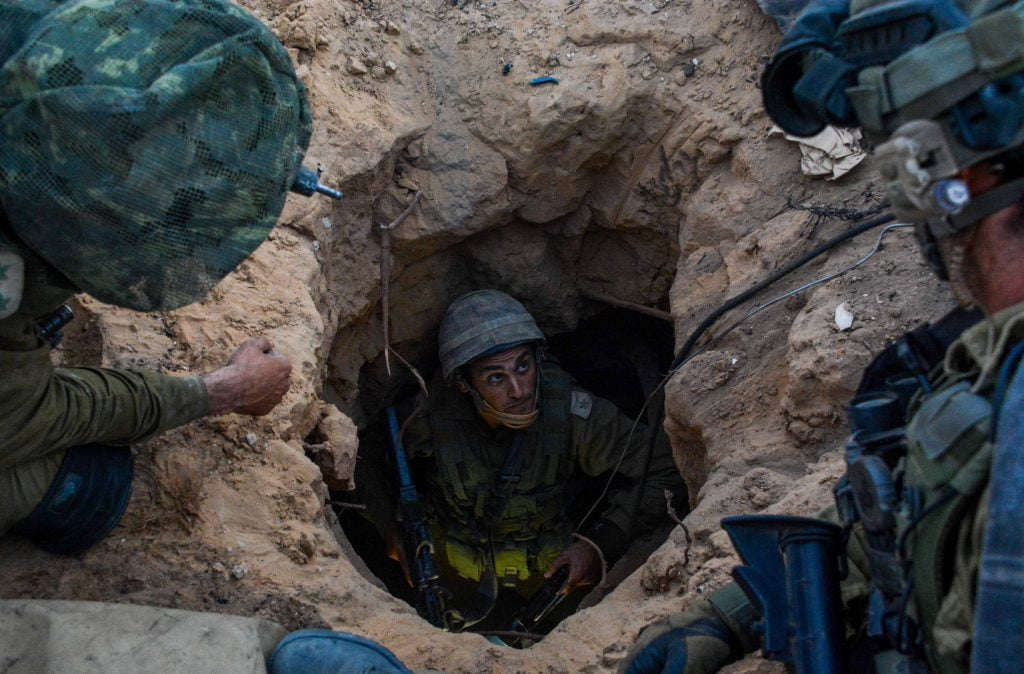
729, 305
785, 271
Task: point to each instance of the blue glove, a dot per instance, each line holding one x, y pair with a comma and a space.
699, 646
667, 653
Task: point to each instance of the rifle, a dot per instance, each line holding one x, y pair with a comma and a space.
50, 327
419, 546
791, 576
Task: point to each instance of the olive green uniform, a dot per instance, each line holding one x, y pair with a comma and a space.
576, 432
45, 410
948, 456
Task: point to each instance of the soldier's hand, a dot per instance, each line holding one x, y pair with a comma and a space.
681, 644
253, 382
584, 565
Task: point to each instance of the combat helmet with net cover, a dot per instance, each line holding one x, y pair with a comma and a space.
480, 324
146, 146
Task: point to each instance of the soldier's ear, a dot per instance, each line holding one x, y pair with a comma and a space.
460, 383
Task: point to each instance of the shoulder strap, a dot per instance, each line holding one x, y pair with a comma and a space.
497, 501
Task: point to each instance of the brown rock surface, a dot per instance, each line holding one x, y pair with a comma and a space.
631, 177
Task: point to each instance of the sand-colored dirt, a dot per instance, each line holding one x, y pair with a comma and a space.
647, 173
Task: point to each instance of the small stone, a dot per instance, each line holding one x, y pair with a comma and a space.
251, 439
416, 48
370, 60
239, 571
843, 317
302, 72
378, 72
391, 28
326, 222
553, 62
390, 67
356, 67
218, 567
681, 78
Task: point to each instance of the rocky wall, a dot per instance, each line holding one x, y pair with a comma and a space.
646, 173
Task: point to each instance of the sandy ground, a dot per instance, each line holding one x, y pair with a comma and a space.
647, 173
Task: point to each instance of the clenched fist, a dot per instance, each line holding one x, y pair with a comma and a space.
253, 382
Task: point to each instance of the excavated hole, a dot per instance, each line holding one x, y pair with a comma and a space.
616, 353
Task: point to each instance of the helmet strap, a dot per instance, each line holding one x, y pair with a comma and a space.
996, 199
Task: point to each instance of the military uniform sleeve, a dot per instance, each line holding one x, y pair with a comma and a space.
600, 438
44, 409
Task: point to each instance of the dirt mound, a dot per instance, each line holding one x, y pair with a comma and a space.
646, 173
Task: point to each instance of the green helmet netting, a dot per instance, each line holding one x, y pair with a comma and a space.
481, 323
146, 146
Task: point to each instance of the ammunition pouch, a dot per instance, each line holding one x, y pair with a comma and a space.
84, 502
517, 564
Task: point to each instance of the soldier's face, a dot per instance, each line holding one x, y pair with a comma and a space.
506, 380
987, 256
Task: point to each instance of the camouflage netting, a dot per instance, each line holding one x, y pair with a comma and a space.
147, 146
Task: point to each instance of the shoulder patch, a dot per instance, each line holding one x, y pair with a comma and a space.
12, 282
582, 404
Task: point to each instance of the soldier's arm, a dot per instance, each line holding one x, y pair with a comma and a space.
45, 409
710, 634
716, 631
604, 437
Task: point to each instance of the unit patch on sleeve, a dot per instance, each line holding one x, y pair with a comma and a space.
12, 282
582, 404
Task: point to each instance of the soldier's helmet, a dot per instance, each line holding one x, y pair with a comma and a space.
483, 323
146, 146
941, 82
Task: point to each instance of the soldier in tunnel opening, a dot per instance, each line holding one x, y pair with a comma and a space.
499, 452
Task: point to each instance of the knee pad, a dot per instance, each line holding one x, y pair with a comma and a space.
84, 501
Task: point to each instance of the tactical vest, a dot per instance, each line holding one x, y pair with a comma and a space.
534, 528
914, 494
944, 472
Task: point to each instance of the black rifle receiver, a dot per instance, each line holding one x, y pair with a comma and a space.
419, 546
540, 605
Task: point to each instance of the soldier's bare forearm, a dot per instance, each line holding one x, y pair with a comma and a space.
253, 382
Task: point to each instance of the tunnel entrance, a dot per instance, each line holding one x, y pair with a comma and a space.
615, 354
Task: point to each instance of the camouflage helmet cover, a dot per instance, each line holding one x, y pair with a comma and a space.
481, 323
146, 146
